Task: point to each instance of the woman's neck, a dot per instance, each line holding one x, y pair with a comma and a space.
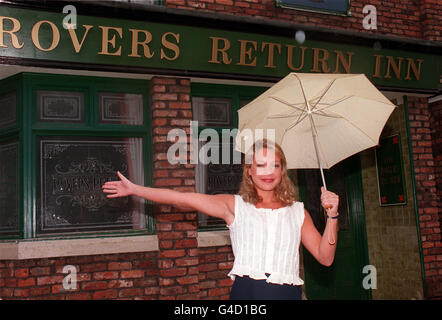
267, 199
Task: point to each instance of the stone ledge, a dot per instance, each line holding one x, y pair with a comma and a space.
214, 238
35, 249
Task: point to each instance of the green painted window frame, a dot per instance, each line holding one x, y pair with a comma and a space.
236, 93
28, 130
281, 4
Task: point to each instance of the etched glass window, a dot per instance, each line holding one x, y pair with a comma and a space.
8, 109
215, 112
121, 108
60, 106
71, 173
218, 177
9, 188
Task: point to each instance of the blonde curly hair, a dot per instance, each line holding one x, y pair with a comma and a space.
284, 191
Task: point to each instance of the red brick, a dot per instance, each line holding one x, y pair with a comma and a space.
172, 253
132, 274
187, 280
175, 272
120, 284
165, 97
93, 267
186, 243
21, 273
119, 265
94, 285
78, 296
218, 292
130, 292
49, 280
40, 271
22, 293
28, 282
39, 291
165, 81
105, 294
170, 235
105, 275
184, 262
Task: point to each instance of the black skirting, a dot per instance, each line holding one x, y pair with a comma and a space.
246, 288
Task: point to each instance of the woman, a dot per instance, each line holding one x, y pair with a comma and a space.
266, 224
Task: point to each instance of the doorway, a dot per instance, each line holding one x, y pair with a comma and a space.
344, 278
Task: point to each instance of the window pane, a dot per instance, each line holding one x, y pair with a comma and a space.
121, 108
219, 178
9, 188
216, 112
71, 173
60, 106
8, 109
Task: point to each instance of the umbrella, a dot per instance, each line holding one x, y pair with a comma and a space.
317, 119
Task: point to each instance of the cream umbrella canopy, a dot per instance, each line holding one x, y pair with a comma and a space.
317, 119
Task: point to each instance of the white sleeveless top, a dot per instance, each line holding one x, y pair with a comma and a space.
267, 241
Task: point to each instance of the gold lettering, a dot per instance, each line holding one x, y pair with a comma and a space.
271, 50
416, 70
320, 60
15, 28
170, 45
135, 43
290, 57
377, 73
35, 35
391, 64
78, 45
245, 52
105, 41
216, 49
340, 59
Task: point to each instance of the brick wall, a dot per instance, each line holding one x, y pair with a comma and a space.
428, 202
431, 19
177, 231
114, 276
409, 18
214, 265
436, 253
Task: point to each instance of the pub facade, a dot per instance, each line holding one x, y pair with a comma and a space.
91, 88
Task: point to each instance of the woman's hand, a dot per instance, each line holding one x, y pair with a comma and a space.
330, 202
115, 189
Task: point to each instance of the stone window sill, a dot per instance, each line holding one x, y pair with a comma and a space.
28, 249
214, 238
37, 249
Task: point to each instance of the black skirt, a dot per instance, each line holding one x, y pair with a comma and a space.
246, 288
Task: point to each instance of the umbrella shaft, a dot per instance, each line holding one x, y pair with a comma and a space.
315, 142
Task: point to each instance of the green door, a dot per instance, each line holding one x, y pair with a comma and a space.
343, 280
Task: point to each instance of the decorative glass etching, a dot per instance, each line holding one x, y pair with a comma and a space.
71, 174
212, 111
8, 109
121, 108
221, 178
9, 188
60, 106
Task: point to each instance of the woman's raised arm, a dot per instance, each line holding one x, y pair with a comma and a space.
220, 206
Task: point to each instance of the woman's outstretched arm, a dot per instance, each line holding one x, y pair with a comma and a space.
220, 206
